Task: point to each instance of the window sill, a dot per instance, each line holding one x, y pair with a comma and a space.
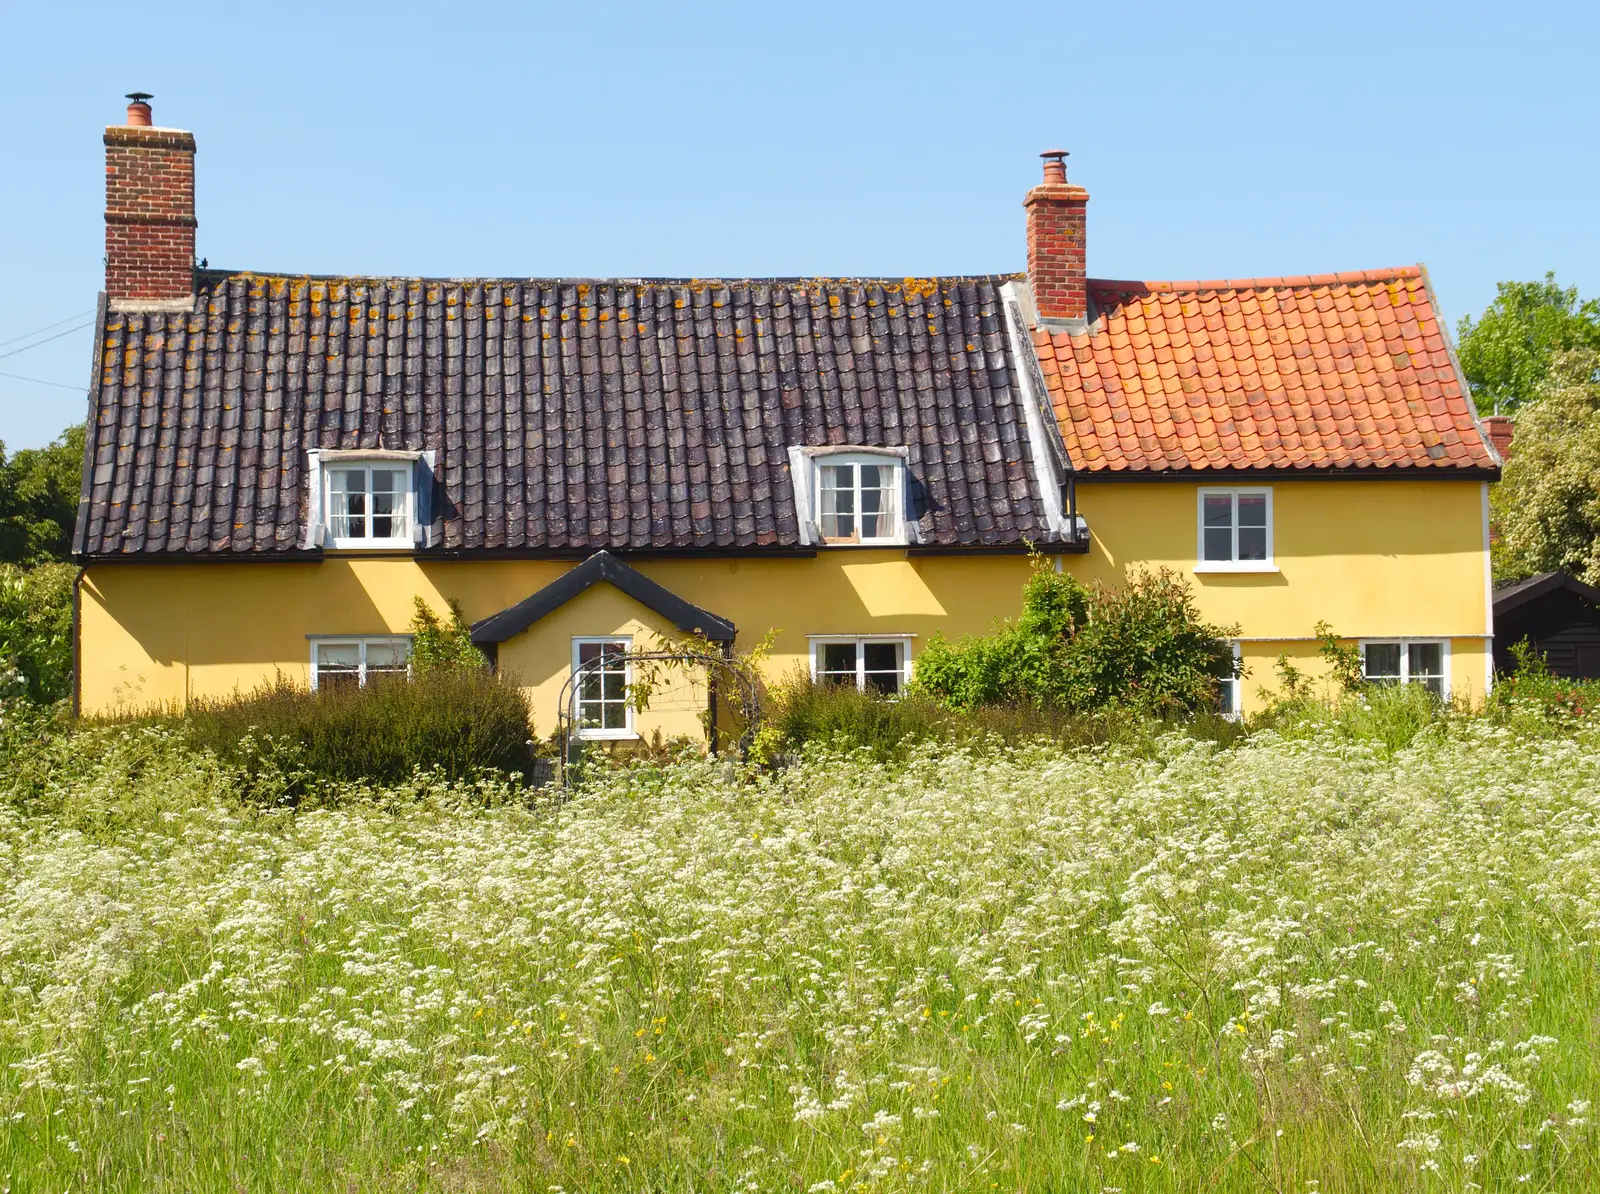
606, 736
372, 544
865, 543
1226, 568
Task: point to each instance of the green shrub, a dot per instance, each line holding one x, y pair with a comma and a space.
36, 631
1141, 646
1344, 660
438, 643
839, 715
454, 721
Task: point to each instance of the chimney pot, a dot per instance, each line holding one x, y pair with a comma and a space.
139, 109
1055, 165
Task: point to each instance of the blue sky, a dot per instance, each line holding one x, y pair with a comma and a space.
1216, 140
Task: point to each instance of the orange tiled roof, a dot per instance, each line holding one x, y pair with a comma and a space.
1337, 371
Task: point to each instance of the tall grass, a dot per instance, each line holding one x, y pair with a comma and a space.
1387, 716
892, 729
1384, 717
1297, 964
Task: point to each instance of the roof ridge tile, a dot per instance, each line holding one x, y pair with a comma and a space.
1287, 282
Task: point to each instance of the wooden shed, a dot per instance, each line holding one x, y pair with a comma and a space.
1559, 614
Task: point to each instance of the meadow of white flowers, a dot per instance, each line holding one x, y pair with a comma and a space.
1289, 966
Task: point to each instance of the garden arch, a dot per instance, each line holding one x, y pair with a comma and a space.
722, 675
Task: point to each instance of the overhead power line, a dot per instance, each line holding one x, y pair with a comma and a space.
46, 340
39, 381
46, 328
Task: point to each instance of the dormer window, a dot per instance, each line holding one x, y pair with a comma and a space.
848, 495
858, 499
369, 505
369, 500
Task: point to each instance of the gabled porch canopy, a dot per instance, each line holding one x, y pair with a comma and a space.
602, 566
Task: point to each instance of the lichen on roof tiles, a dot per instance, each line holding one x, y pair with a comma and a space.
583, 435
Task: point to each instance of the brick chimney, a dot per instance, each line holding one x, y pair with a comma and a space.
1056, 244
149, 210
1500, 429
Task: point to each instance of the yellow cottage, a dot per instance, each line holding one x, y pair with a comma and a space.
278, 466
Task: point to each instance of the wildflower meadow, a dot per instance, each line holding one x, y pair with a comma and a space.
1292, 964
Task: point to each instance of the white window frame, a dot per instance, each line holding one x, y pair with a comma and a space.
405, 468
902, 641
598, 733
1235, 684
361, 642
1405, 659
1234, 565
897, 495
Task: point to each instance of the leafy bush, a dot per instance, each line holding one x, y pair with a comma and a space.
36, 632
1344, 660
1141, 646
839, 715
454, 721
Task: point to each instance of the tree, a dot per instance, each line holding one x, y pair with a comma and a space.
1547, 505
1507, 353
36, 632
39, 500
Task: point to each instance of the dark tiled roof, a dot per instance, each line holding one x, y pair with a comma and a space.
1335, 372
565, 416
1519, 593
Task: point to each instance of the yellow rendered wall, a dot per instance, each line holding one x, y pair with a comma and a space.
1373, 559
160, 633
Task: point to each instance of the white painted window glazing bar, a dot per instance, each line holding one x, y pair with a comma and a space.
357, 661
877, 663
1231, 690
860, 499
1408, 661
1234, 529
600, 708
369, 505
